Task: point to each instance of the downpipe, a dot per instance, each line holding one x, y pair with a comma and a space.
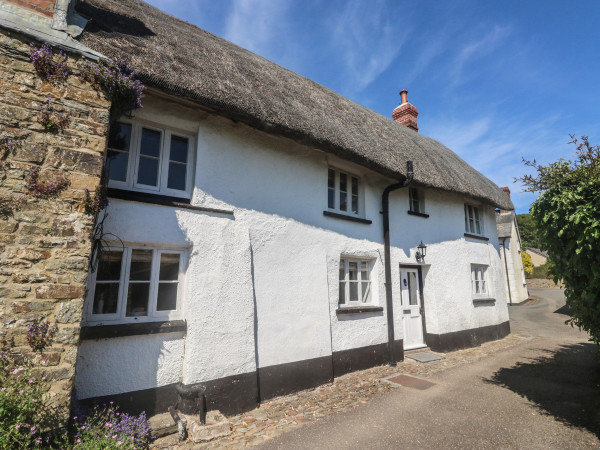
385, 202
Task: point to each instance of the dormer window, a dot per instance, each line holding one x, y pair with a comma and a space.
343, 192
149, 159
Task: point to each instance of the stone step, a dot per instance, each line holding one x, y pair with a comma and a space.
162, 425
417, 350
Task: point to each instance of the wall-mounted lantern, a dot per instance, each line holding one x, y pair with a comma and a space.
421, 252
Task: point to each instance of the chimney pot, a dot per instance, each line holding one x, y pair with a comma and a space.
405, 113
506, 189
403, 96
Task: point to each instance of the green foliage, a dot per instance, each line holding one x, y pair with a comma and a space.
527, 231
527, 264
567, 217
543, 271
25, 404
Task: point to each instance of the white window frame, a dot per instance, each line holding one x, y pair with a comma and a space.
480, 281
152, 314
420, 198
345, 265
474, 219
133, 161
337, 191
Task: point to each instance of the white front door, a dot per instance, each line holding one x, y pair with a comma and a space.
411, 309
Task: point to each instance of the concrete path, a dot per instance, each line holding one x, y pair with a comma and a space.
543, 392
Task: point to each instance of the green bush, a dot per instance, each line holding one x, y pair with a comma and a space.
542, 271
25, 409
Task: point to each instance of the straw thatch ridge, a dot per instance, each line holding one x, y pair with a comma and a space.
183, 60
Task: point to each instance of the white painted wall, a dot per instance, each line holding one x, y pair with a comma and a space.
516, 274
115, 366
271, 272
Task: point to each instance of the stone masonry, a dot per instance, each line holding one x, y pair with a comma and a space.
45, 243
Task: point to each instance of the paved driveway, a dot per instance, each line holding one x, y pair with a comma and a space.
542, 393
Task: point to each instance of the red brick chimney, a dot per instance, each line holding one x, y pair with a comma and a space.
507, 191
43, 7
405, 113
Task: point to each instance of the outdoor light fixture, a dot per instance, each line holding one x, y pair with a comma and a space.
421, 252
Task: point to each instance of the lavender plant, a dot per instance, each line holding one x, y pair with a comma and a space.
51, 119
40, 335
48, 188
8, 145
50, 65
118, 82
107, 428
10, 204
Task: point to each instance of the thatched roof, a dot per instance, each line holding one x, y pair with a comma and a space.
183, 60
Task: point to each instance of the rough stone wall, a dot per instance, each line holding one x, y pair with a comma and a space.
45, 244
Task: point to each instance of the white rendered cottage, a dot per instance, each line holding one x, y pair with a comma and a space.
510, 255
247, 255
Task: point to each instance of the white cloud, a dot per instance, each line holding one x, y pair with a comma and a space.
476, 49
256, 25
366, 41
496, 146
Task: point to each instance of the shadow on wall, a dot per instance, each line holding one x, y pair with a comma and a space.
564, 384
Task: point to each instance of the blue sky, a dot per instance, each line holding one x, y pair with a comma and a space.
494, 81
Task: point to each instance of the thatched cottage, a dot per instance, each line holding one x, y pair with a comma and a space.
263, 233
510, 255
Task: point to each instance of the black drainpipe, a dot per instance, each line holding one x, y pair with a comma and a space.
386, 252
506, 270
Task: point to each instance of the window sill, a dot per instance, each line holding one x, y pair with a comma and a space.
418, 214
163, 200
484, 301
131, 329
476, 236
357, 309
345, 217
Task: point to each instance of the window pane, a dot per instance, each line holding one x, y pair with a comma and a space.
343, 192
366, 292
331, 189
342, 270
331, 178
150, 145
177, 173
343, 201
148, 171
169, 266
106, 297
167, 297
116, 162
119, 136
412, 289
179, 149
109, 266
137, 299
353, 291
466, 219
355, 195
141, 265
353, 270
342, 299
364, 270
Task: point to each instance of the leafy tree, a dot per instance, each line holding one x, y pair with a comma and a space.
527, 231
567, 217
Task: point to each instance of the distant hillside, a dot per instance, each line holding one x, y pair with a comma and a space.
528, 231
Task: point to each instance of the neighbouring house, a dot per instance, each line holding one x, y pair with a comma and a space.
538, 257
263, 233
510, 254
